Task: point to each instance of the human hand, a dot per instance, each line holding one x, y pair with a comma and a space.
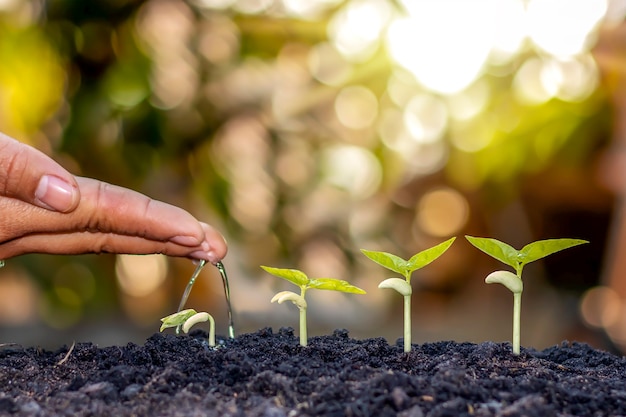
45, 209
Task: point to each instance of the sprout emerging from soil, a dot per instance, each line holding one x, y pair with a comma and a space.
406, 269
300, 279
187, 319
517, 259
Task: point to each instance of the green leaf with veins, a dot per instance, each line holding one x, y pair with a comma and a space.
425, 257
529, 253
388, 260
417, 261
542, 248
294, 276
496, 249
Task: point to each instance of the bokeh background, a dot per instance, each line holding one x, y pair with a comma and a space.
308, 129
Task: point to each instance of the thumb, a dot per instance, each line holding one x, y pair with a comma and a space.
31, 176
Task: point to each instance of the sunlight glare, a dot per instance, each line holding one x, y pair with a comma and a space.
356, 29
510, 31
563, 27
444, 47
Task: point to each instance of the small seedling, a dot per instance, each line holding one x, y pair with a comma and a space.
300, 279
222, 270
517, 259
186, 319
406, 268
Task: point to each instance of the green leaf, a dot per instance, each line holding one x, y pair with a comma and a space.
400, 285
177, 319
335, 285
496, 249
542, 248
388, 260
425, 257
292, 275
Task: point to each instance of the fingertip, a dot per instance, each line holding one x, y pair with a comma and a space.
216, 248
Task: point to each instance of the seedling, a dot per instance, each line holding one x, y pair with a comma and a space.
186, 319
300, 279
406, 268
222, 270
517, 259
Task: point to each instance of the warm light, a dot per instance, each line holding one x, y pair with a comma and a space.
563, 27
308, 8
327, 65
215, 4
420, 158
355, 30
510, 30
426, 118
139, 276
356, 107
470, 102
473, 136
444, 44
18, 298
601, 307
578, 77
529, 87
442, 212
572, 79
353, 169
252, 6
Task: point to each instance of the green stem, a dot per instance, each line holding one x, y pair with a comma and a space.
517, 308
407, 323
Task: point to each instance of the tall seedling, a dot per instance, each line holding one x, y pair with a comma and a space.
517, 259
406, 269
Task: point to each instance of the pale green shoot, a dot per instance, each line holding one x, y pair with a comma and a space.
187, 319
406, 269
517, 259
300, 279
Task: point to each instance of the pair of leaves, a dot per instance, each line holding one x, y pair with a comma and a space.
417, 261
300, 279
529, 253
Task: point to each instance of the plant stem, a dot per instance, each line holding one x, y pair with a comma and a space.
211, 331
407, 323
303, 335
517, 308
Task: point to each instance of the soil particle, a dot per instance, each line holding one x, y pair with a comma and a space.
267, 374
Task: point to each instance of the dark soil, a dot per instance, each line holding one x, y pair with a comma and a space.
268, 374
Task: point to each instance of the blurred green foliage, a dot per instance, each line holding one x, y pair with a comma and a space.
217, 110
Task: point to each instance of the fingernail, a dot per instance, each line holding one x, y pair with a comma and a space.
207, 256
185, 240
55, 194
